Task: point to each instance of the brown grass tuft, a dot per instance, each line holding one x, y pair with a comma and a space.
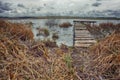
65, 25
16, 30
55, 36
50, 43
43, 31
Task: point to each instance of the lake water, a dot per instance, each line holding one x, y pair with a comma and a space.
65, 34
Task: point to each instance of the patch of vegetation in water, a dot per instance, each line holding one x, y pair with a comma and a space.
43, 31
55, 36
65, 25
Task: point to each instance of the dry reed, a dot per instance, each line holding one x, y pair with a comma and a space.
23, 59
105, 58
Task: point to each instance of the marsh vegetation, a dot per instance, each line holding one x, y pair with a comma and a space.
24, 58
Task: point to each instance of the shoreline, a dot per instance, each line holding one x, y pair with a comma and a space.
62, 17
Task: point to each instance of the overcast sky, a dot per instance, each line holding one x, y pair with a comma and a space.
109, 8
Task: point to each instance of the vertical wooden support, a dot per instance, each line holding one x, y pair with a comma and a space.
74, 34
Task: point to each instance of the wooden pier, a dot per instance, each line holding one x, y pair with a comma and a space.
82, 37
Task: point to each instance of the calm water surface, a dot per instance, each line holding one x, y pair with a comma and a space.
65, 34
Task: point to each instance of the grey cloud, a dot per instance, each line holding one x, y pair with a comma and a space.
98, 0
71, 12
59, 8
113, 12
105, 13
1, 11
38, 9
96, 4
4, 7
21, 5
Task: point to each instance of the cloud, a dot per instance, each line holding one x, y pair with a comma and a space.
4, 7
113, 12
21, 5
96, 4
1, 11
59, 7
98, 0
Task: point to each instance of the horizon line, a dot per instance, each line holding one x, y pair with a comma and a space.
56, 17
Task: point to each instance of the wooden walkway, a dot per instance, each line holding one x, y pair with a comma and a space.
82, 37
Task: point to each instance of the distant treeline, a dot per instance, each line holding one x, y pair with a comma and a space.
61, 17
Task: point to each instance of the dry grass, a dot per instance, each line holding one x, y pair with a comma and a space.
50, 43
105, 58
103, 29
23, 59
16, 30
33, 62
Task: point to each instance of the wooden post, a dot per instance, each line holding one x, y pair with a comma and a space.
74, 34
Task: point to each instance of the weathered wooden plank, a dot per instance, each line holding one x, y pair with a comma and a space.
84, 21
80, 27
84, 38
76, 33
82, 35
82, 32
82, 45
76, 39
85, 41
